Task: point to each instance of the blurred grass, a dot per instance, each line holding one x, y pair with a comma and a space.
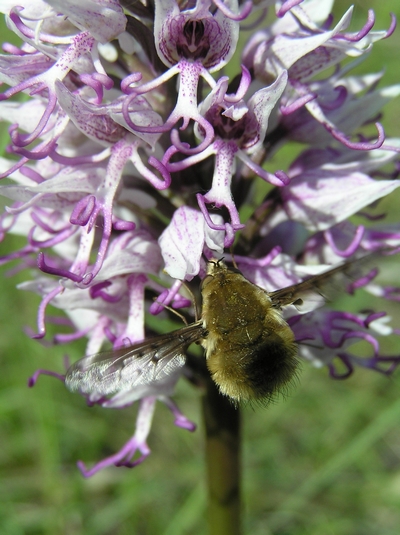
326, 461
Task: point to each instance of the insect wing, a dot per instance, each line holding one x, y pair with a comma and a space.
141, 364
320, 288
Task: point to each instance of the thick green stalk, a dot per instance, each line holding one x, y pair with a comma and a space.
222, 444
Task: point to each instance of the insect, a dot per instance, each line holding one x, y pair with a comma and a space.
250, 350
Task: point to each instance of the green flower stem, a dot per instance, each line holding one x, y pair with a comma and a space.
222, 445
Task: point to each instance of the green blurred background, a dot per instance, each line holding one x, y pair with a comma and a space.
324, 461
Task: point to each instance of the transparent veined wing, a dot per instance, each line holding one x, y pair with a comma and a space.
141, 364
322, 287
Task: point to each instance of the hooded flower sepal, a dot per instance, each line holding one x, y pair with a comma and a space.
182, 243
197, 34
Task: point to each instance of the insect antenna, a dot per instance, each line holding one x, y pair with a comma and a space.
167, 307
193, 299
233, 258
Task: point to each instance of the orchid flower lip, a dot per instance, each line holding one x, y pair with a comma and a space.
43, 266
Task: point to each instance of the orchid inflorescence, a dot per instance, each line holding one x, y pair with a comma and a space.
138, 150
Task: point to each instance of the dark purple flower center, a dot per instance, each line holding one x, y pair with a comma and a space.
241, 131
193, 44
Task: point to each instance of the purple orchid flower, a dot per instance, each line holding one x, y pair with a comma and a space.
193, 44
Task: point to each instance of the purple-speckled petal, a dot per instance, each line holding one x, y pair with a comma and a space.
93, 121
261, 105
140, 254
33, 9
316, 198
182, 243
104, 19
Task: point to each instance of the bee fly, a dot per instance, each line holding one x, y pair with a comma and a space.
250, 350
